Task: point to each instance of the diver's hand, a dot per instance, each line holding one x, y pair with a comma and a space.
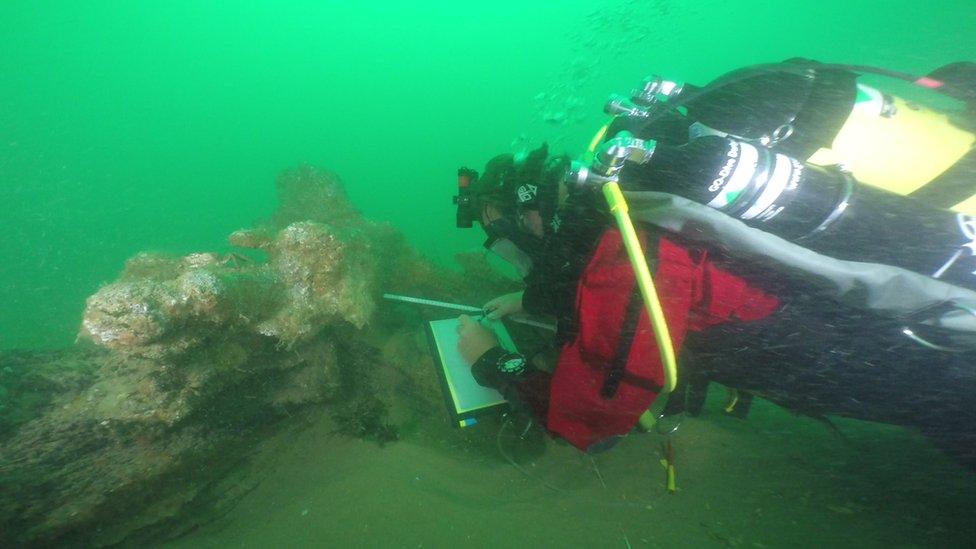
473, 339
508, 304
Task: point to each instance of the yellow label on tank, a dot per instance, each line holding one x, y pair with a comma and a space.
901, 152
967, 206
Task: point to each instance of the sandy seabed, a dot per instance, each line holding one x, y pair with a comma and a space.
775, 480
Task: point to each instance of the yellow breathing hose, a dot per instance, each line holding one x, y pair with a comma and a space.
642, 273
591, 149
620, 211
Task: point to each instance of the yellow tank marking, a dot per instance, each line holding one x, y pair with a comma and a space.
967, 206
900, 153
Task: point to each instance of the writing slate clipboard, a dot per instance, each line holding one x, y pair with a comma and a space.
466, 400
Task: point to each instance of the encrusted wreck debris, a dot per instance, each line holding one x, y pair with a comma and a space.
185, 362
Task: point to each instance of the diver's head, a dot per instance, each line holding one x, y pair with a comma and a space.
515, 201
538, 188
482, 198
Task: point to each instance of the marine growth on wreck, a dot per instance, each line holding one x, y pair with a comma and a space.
184, 363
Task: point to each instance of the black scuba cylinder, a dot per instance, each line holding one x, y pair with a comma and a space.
819, 208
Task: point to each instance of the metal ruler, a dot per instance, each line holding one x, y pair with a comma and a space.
465, 308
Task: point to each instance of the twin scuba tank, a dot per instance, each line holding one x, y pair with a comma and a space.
824, 208
821, 208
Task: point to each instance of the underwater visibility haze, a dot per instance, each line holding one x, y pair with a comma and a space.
203, 202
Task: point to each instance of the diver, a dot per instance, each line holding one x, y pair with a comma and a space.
835, 197
606, 374
792, 149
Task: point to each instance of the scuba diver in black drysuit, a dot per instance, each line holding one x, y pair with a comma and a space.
834, 196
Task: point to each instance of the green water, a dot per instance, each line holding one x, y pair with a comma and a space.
130, 126
136, 125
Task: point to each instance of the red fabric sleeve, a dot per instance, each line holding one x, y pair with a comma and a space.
726, 297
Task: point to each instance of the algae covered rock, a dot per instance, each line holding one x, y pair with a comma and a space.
320, 272
326, 278
183, 362
174, 305
186, 362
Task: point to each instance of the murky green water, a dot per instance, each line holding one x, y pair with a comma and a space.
147, 126
130, 126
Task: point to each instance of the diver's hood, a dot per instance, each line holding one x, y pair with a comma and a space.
882, 289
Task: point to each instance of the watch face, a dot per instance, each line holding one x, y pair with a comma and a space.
512, 365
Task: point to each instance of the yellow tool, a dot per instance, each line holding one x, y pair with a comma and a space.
668, 463
618, 207
733, 400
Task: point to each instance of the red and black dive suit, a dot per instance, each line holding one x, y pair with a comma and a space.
609, 371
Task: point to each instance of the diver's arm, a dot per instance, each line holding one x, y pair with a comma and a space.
550, 287
545, 285
539, 297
